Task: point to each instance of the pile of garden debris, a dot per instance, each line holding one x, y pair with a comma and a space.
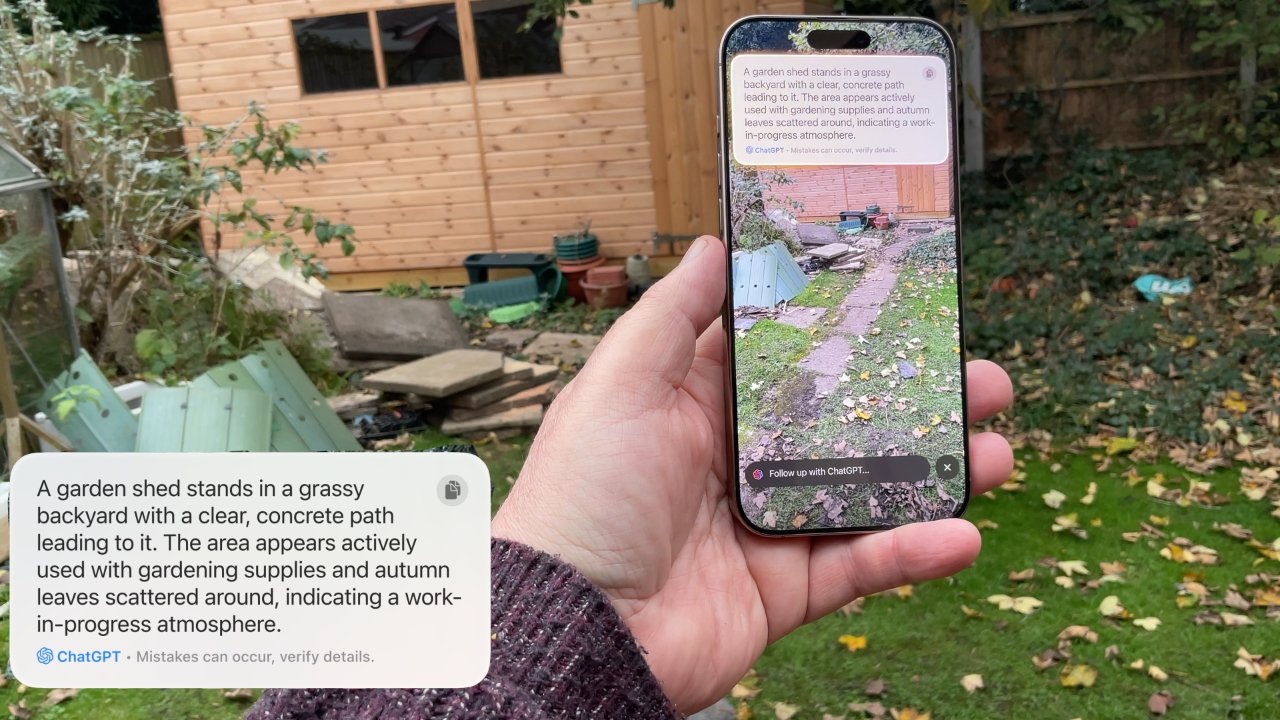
840, 257
466, 392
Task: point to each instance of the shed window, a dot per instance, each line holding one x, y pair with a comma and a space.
335, 53
420, 45
423, 45
505, 51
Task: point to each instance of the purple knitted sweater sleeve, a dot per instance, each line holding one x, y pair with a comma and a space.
559, 651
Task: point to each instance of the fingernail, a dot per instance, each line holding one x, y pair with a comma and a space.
694, 250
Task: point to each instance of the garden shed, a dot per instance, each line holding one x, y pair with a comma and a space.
448, 134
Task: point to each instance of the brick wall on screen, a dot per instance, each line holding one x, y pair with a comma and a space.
826, 191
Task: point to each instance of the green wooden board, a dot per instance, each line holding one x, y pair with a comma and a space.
303, 420
288, 374
204, 420
233, 375
99, 424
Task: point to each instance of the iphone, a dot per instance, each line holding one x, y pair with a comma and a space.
840, 214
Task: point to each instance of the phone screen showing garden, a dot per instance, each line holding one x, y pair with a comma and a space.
841, 214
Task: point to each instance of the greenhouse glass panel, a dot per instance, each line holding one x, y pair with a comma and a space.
36, 316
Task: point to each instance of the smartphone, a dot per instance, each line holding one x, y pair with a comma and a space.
840, 213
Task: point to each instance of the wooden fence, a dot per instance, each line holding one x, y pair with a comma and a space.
151, 64
1049, 78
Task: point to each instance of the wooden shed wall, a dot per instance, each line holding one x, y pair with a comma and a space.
681, 52
430, 174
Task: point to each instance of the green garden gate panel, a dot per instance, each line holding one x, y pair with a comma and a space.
232, 375
97, 423
766, 278
303, 420
204, 420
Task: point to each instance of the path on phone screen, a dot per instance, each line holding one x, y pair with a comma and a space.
860, 309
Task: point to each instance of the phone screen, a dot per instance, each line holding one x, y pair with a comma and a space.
840, 210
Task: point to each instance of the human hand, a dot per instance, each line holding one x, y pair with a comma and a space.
629, 482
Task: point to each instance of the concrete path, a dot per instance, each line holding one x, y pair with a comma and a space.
860, 310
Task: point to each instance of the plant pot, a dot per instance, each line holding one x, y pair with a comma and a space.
575, 273
607, 275
638, 271
577, 248
600, 297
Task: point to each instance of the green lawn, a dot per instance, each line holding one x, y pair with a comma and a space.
923, 645
115, 704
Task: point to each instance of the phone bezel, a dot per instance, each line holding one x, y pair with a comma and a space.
731, 396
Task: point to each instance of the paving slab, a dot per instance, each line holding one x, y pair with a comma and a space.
509, 340
812, 235
830, 252
565, 347
538, 395
350, 405
440, 375
801, 317
377, 326
527, 417
503, 388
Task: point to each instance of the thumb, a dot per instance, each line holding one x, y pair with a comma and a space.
656, 340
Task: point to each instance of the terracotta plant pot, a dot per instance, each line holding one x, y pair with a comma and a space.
607, 275
600, 297
575, 273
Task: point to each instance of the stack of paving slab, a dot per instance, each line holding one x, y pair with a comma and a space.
839, 256
475, 393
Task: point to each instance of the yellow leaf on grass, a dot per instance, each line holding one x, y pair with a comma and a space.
1111, 607
1073, 567
866, 375
1078, 676
785, 711
1064, 581
972, 683
1090, 494
862, 414
1054, 498
1234, 402
1231, 619
970, 612
904, 591
853, 643
1147, 623
936, 420
908, 713
1157, 674
1256, 665
985, 524
743, 712
1117, 445
1024, 604
1162, 521
1066, 522
1155, 489
743, 692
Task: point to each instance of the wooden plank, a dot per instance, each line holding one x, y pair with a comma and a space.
208, 420
163, 420
622, 135
541, 158
285, 368
102, 423
379, 61
540, 87
558, 121
638, 167
284, 438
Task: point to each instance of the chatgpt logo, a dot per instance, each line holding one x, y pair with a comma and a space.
44, 655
